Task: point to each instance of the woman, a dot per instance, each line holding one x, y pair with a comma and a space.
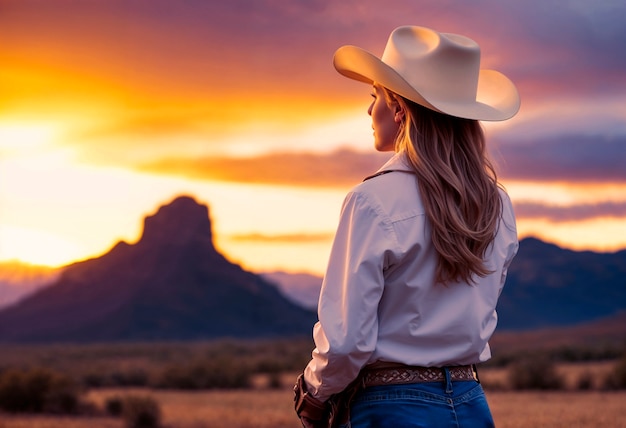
422, 249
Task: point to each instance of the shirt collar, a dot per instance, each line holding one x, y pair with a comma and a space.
396, 163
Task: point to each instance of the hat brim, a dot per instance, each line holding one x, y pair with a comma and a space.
496, 97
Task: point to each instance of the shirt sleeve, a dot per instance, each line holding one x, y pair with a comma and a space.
508, 220
345, 335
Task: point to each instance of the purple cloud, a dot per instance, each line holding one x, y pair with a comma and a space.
574, 46
247, 56
575, 158
575, 212
342, 168
294, 238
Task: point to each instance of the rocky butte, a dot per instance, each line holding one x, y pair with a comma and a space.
170, 285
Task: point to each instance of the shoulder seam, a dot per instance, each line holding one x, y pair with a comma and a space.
379, 173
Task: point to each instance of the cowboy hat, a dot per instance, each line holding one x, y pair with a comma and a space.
440, 71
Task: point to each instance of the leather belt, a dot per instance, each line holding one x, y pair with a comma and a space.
410, 374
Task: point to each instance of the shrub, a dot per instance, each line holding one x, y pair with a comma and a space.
617, 378
493, 385
62, 395
275, 381
210, 374
129, 377
13, 395
534, 373
37, 390
585, 381
114, 406
94, 380
586, 353
177, 377
620, 373
141, 412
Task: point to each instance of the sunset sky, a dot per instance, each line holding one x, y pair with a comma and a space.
111, 108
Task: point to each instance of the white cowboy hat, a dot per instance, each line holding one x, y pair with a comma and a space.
440, 71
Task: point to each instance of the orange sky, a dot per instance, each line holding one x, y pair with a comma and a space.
109, 109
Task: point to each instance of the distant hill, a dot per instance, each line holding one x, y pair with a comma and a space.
18, 280
547, 286
607, 332
174, 285
550, 286
301, 288
171, 285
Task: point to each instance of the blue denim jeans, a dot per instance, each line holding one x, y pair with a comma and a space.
446, 404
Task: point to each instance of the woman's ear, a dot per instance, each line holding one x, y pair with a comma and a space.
398, 114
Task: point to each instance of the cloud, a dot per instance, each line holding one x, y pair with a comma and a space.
577, 212
295, 238
600, 115
573, 158
189, 73
142, 129
341, 168
194, 46
280, 46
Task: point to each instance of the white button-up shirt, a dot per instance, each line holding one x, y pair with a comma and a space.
379, 300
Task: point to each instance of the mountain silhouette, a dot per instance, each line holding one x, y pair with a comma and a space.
171, 285
174, 285
17, 280
548, 286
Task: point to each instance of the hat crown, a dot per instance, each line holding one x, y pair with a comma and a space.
440, 71
445, 64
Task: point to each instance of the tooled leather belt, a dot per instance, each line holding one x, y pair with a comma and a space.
410, 374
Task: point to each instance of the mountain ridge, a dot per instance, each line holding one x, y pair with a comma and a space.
18, 280
174, 284
547, 287
170, 285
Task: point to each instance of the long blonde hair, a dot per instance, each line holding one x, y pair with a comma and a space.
458, 184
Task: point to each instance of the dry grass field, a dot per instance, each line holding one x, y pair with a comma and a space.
263, 407
571, 373
273, 408
558, 409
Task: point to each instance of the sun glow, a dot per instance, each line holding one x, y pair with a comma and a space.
25, 136
599, 234
90, 96
37, 247
564, 193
